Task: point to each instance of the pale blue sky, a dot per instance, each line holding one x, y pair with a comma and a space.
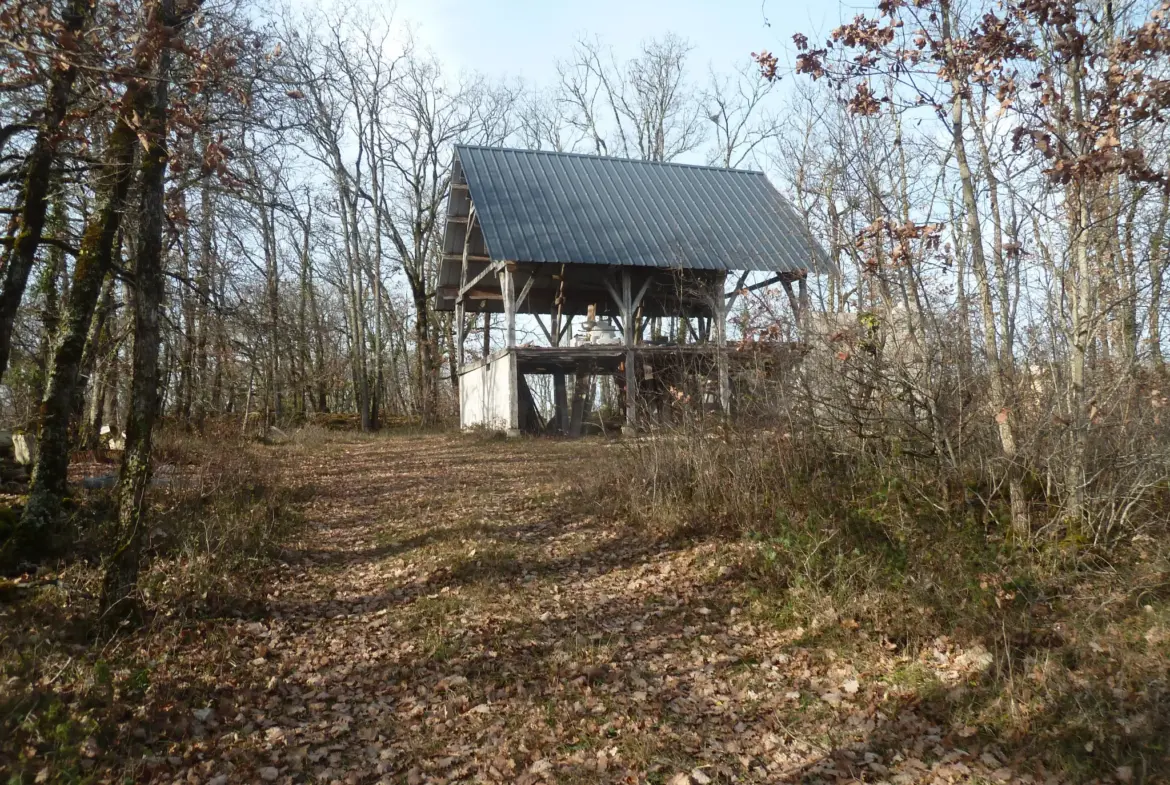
525, 37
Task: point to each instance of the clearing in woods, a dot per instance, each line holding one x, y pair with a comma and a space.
453, 616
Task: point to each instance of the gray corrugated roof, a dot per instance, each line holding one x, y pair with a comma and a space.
537, 206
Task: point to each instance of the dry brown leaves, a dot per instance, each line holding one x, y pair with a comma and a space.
452, 618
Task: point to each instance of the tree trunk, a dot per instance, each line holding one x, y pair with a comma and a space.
1082, 296
351, 236
94, 260
203, 302
91, 427
1157, 272
187, 379
303, 353
91, 352
424, 355
322, 402
50, 291
121, 574
272, 291
1021, 522
35, 193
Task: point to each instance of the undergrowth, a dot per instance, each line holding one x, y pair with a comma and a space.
1079, 675
219, 516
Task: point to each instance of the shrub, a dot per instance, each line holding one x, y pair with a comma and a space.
219, 512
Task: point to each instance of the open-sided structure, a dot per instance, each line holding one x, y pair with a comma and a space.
614, 242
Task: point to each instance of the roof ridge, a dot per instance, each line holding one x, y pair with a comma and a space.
618, 158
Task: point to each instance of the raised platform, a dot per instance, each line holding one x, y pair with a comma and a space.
494, 392
598, 359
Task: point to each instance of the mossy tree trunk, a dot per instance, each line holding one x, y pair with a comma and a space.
49, 289
95, 259
38, 173
122, 567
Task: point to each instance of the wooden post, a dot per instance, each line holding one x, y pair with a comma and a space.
580, 393
508, 285
560, 402
459, 329
720, 318
514, 381
626, 306
560, 391
487, 334
795, 301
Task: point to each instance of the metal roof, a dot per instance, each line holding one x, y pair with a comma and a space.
539, 206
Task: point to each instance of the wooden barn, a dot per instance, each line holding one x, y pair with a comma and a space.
612, 247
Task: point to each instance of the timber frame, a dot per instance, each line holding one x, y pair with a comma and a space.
638, 300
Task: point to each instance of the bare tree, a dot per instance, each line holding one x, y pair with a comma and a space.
643, 109
738, 105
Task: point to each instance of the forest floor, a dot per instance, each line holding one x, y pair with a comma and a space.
451, 614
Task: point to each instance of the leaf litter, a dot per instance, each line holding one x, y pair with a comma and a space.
453, 616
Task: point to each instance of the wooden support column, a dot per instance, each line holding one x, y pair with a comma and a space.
560, 389
580, 395
798, 299
524, 293
720, 319
626, 306
459, 328
460, 309
487, 334
560, 402
508, 287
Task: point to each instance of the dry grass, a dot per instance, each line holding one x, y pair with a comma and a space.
465, 609
1078, 640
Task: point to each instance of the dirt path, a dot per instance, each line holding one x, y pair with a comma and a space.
453, 618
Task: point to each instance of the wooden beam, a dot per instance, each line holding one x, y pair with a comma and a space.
641, 293
492, 268
733, 295
463, 269
545, 330
793, 302
613, 293
524, 292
